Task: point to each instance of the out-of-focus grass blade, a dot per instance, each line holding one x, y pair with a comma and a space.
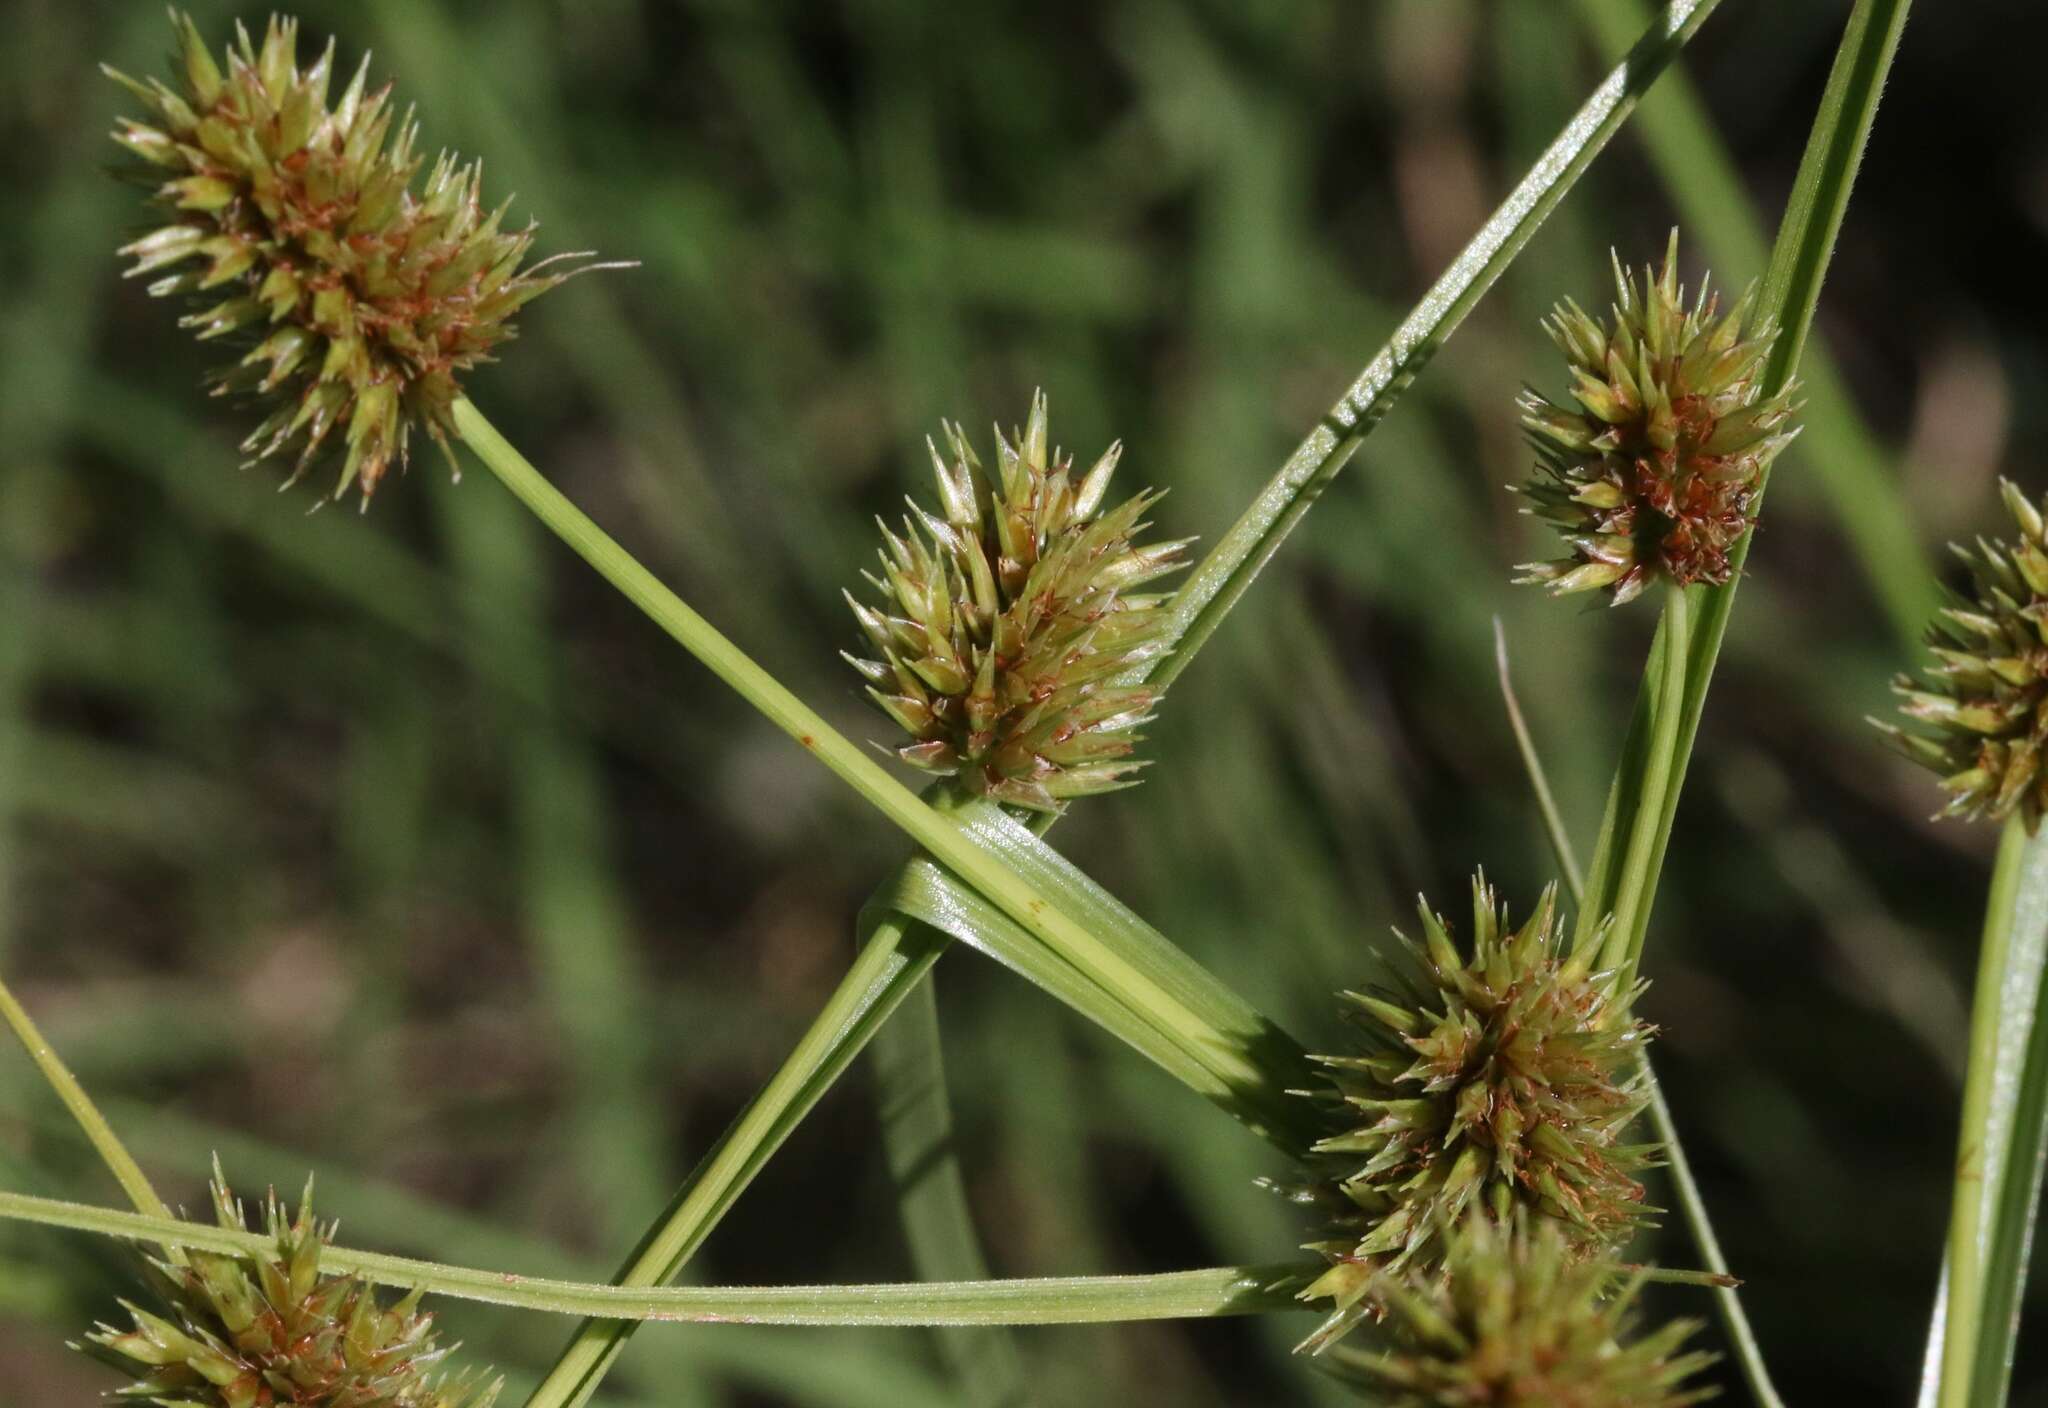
1999, 1153
917, 1136
371, 572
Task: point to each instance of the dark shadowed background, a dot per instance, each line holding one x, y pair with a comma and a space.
397, 848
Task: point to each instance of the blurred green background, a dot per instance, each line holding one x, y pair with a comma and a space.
396, 848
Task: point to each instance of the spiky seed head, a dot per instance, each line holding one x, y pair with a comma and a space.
1518, 1321
355, 301
1007, 623
1649, 470
257, 1330
1985, 699
1500, 1078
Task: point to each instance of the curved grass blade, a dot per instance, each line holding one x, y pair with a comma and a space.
1048, 1300
920, 890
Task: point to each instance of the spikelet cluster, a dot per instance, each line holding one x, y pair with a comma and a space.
1518, 1321
1006, 624
254, 1331
1986, 697
1648, 473
1499, 1080
355, 301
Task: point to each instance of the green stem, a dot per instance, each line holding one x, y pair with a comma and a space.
1967, 1223
1661, 774
1749, 1355
931, 1195
889, 965
1539, 779
1051, 1300
946, 842
2011, 1236
1997, 1150
112, 1152
1691, 1205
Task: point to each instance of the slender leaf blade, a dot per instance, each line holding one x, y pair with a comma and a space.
1223, 576
1046, 1300
1999, 1149
938, 1224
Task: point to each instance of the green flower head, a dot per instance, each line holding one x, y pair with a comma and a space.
1006, 626
1517, 1321
1649, 471
1985, 701
265, 1331
1498, 1079
356, 295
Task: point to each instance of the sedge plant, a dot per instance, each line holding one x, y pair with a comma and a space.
1478, 1165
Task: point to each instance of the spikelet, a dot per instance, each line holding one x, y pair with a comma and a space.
1986, 697
1006, 625
252, 1331
1651, 474
357, 301
1501, 1080
1517, 1321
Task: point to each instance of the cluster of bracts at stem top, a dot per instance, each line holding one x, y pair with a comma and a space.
1477, 1181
